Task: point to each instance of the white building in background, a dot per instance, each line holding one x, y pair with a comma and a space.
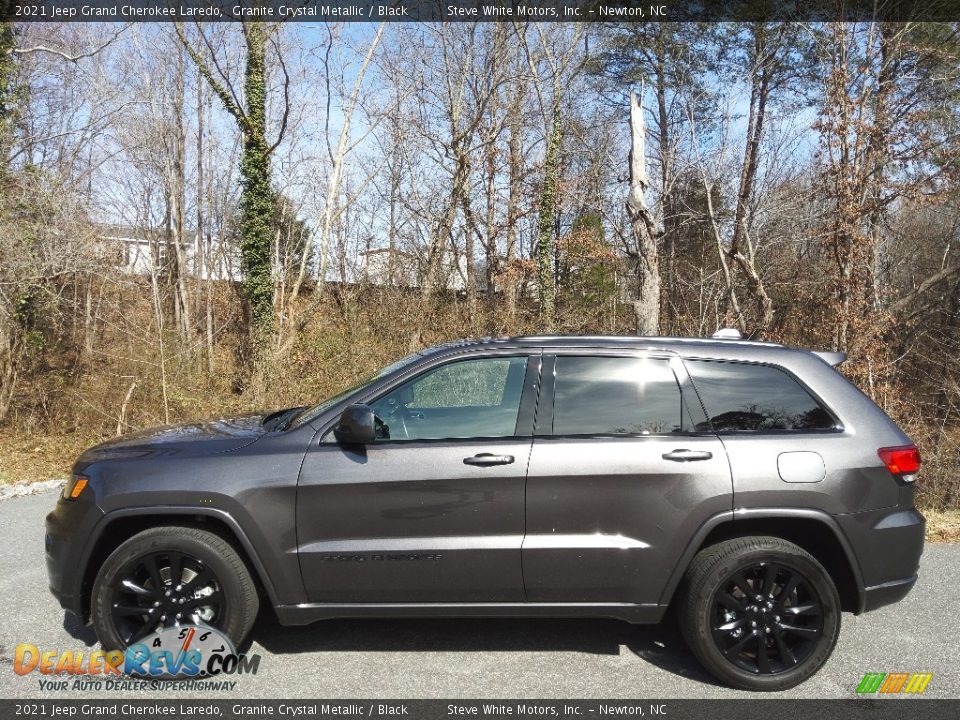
140, 251
389, 267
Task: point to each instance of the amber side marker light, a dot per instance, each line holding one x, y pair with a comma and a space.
73, 489
903, 460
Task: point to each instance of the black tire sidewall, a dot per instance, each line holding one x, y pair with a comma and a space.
232, 623
701, 638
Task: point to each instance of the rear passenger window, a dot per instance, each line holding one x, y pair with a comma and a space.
615, 396
743, 397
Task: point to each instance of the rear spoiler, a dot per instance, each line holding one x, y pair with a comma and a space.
831, 358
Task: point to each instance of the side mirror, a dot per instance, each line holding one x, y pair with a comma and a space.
356, 426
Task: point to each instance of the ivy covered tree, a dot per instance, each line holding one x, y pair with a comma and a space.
9, 90
258, 201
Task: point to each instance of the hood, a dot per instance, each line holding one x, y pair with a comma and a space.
221, 435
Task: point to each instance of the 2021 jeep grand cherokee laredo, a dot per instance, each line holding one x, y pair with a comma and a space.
568, 476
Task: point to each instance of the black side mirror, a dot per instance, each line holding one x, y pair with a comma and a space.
356, 426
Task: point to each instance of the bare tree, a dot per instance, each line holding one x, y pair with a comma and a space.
643, 248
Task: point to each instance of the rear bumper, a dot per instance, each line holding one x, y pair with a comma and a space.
888, 545
886, 594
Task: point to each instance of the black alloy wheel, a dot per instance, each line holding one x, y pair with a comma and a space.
767, 618
163, 589
169, 576
759, 612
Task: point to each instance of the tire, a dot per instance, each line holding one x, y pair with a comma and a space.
218, 587
759, 613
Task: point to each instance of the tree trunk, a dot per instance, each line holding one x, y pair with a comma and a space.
646, 306
515, 171
256, 196
546, 222
741, 249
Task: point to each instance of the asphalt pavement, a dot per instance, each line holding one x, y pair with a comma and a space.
534, 659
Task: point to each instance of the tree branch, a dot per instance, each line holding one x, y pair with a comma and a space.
227, 97
286, 97
67, 56
900, 305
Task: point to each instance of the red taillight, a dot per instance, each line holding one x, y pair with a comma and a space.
901, 460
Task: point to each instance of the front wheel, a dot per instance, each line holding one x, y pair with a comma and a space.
169, 576
760, 613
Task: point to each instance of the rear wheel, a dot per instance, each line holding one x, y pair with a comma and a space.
168, 576
760, 613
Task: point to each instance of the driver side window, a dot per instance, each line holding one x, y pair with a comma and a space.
462, 399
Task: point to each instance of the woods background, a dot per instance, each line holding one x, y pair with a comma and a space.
202, 220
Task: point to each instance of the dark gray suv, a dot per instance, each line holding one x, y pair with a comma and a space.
748, 483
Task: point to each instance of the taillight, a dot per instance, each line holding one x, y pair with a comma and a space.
903, 460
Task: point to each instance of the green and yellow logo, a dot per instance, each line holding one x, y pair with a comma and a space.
894, 683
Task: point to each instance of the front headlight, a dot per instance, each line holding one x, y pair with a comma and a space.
72, 490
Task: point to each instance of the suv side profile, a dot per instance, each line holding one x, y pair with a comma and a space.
749, 484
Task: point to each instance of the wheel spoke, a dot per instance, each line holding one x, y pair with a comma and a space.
176, 568
730, 602
743, 585
768, 577
806, 609
128, 610
763, 660
802, 631
142, 632
786, 655
732, 651
214, 599
131, 586
732, 625
150, 562
793, 579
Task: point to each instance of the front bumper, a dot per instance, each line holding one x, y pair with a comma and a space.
68, 528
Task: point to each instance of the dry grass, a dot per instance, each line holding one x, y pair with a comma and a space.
943, 526
38, 457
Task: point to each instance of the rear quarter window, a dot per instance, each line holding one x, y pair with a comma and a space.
743, 397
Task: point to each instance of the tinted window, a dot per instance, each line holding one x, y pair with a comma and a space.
742, 397
615, 396
466, 398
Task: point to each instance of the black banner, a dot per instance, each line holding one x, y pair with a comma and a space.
759, 709
476, 10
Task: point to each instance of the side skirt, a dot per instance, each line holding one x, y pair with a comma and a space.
311, 612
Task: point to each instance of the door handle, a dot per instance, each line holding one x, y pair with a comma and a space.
685, 455
485, 459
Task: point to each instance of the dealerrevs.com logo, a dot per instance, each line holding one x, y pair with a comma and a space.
175, 653
894, 683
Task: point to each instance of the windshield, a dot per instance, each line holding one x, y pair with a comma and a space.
311, 413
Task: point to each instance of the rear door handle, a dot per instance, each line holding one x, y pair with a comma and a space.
684, 455
485, 459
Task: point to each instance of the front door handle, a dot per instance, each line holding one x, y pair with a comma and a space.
485, 459
684, 455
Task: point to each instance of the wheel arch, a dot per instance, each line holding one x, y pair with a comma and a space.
120, 525
813, 530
